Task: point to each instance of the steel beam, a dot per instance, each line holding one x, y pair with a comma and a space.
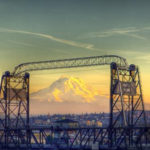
70, 63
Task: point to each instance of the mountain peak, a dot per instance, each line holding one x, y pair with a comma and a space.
69, 89
69, 94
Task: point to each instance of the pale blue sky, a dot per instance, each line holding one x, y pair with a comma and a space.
32, 30
90, 27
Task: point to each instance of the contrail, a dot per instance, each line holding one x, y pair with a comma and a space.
47, 36
131, 32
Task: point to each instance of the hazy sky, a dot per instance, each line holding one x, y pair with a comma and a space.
32, 30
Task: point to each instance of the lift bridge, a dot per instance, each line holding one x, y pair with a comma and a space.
127, 127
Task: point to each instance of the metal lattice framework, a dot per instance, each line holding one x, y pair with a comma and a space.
70, 63
127, 116
126, 103
126, 97
14, 105
41, 138
14, 95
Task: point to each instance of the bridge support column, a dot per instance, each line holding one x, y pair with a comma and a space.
14, 109
126, 102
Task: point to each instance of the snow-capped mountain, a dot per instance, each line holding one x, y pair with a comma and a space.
67, 89
68, 93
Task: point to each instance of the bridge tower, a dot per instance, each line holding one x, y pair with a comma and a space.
126, 101
14, 109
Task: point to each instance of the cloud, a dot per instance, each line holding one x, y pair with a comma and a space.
131, 32
47, 36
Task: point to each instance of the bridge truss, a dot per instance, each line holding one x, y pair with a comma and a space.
127, 116
70, 63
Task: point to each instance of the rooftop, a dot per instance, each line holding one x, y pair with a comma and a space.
66, 121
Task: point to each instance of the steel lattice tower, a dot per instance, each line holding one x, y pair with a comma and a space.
126, 100
14, 104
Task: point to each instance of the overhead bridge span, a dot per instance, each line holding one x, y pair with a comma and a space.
70, 63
